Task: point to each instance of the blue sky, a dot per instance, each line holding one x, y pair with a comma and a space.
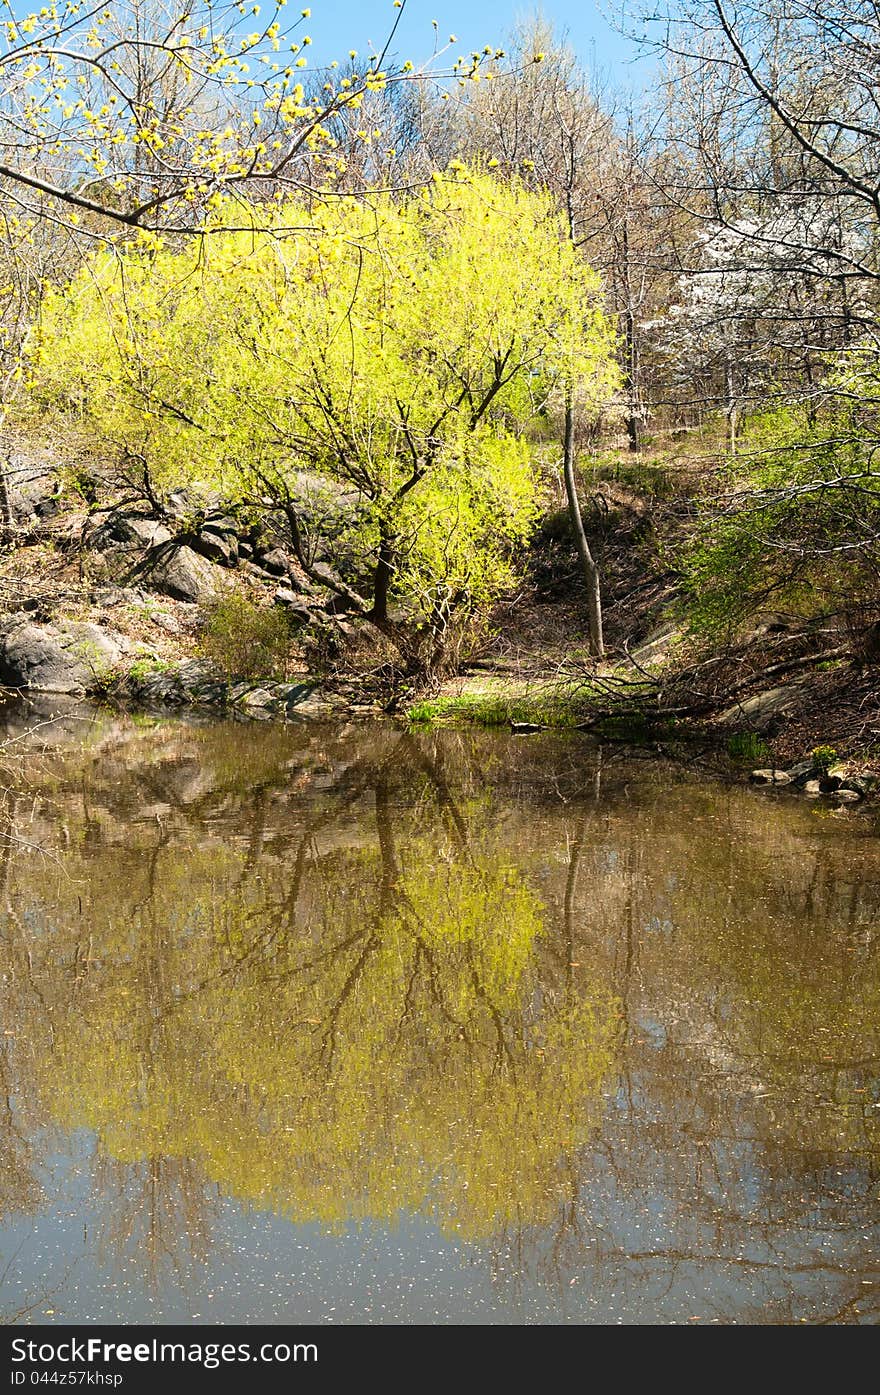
336, 26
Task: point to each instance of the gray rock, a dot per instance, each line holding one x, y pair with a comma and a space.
303, 700
276, 562
177, 684
178, 501
294, 605
861, 784
258, 697
136, 531
217, 547
192, 672
847, 796
338, 605
32, 482
98, 567
239, 690
770, 777
251, 569
195, 499
762, 709
657, 644
49, 508
220, 523
168, 623
212, 692
800, 773
186, 576
285, 596
67, 657
812, 788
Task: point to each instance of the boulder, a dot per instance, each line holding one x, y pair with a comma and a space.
66, 529
294, 605
770, 777
67, 657
288, 699
340, 605
861, 784
134, 530
217, 547
185, 682
657, 644
32, 483
304, 700
98, 567
275, 561
166, 622
181, 573
194, 500
285, 596
763, 711
800, 773
258, 697
220, 523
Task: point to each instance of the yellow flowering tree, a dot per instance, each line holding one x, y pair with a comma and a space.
396, 348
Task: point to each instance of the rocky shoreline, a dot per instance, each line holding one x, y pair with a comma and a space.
814, 779
112, 603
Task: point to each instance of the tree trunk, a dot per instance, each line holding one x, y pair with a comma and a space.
632, 415
731, 406
590, 570
631, 368
6, 522
382, 578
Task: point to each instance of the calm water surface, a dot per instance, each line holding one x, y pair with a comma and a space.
306, 1024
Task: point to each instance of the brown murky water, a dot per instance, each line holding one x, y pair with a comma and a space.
357, 1025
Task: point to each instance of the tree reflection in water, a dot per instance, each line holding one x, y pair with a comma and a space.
618, 1033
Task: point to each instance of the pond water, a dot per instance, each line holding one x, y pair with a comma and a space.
353, 1024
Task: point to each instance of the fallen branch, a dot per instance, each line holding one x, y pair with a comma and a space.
704, 704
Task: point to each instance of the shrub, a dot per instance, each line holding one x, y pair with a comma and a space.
823, 757
798, 517
244, 640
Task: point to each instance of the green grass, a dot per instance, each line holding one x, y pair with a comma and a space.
748, 746
558, 708
497, 710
